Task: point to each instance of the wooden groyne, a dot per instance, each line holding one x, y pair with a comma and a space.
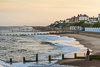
64, 32
51, 59
92, 34
24, 34
36, 59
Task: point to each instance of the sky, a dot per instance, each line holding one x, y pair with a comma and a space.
44, 12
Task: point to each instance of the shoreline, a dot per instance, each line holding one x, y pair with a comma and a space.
62, 42
81, 51
82, 40
88, 42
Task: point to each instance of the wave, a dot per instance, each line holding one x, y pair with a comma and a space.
62, 44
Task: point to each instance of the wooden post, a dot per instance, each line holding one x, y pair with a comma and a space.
10, 60
73, 31
49, 58
75, 55
36, 57
62, 56
84, 54
23, 59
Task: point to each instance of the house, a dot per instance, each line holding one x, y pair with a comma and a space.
61, 21
99, 18
82, 17
79, 18
67, 20
56, 22
93, 19
73, 19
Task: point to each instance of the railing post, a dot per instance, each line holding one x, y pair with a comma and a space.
10, 60
49, 58
36, 57
75, 55
23, 59
62, 56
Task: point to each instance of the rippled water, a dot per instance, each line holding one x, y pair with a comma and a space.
17, 47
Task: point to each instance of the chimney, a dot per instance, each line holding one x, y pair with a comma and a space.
80, 14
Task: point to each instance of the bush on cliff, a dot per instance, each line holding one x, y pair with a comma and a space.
87, 25
77, 24
96, 25
61, 24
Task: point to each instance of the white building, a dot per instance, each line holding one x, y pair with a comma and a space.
56, 22
83, 17
61, 21
99, 17
67, 21
93, 20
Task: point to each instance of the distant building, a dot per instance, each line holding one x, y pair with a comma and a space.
78, 18
82, 17
56, 22
99, 18
93, 19
67, 20
61, 21
73, 19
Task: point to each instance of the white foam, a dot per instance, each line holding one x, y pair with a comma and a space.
33, 64
56, 40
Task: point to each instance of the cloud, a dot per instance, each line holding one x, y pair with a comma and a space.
21, 15
1, 13
8, 18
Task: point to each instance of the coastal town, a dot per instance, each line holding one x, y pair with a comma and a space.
49, 33
80, 17
80, 22
89, 37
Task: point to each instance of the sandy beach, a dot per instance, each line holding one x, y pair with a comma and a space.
89, 42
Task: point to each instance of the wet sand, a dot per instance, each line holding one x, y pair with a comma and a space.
92, 43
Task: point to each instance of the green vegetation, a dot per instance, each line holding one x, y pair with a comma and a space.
62, 24
52, 25
81, 23
96, 25
77, 24
87, 25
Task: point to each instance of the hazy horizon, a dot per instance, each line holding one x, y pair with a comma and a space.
44, 12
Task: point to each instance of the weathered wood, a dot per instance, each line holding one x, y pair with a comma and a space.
23, 59
75, 55
62, 56
10, 60
49, 58
36, 57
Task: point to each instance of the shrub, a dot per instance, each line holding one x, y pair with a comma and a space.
77, 24
61, 24
96, 25
86, 25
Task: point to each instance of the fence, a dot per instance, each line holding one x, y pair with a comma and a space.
92, 29
88, 29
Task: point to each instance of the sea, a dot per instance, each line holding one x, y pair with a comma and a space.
19, 46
